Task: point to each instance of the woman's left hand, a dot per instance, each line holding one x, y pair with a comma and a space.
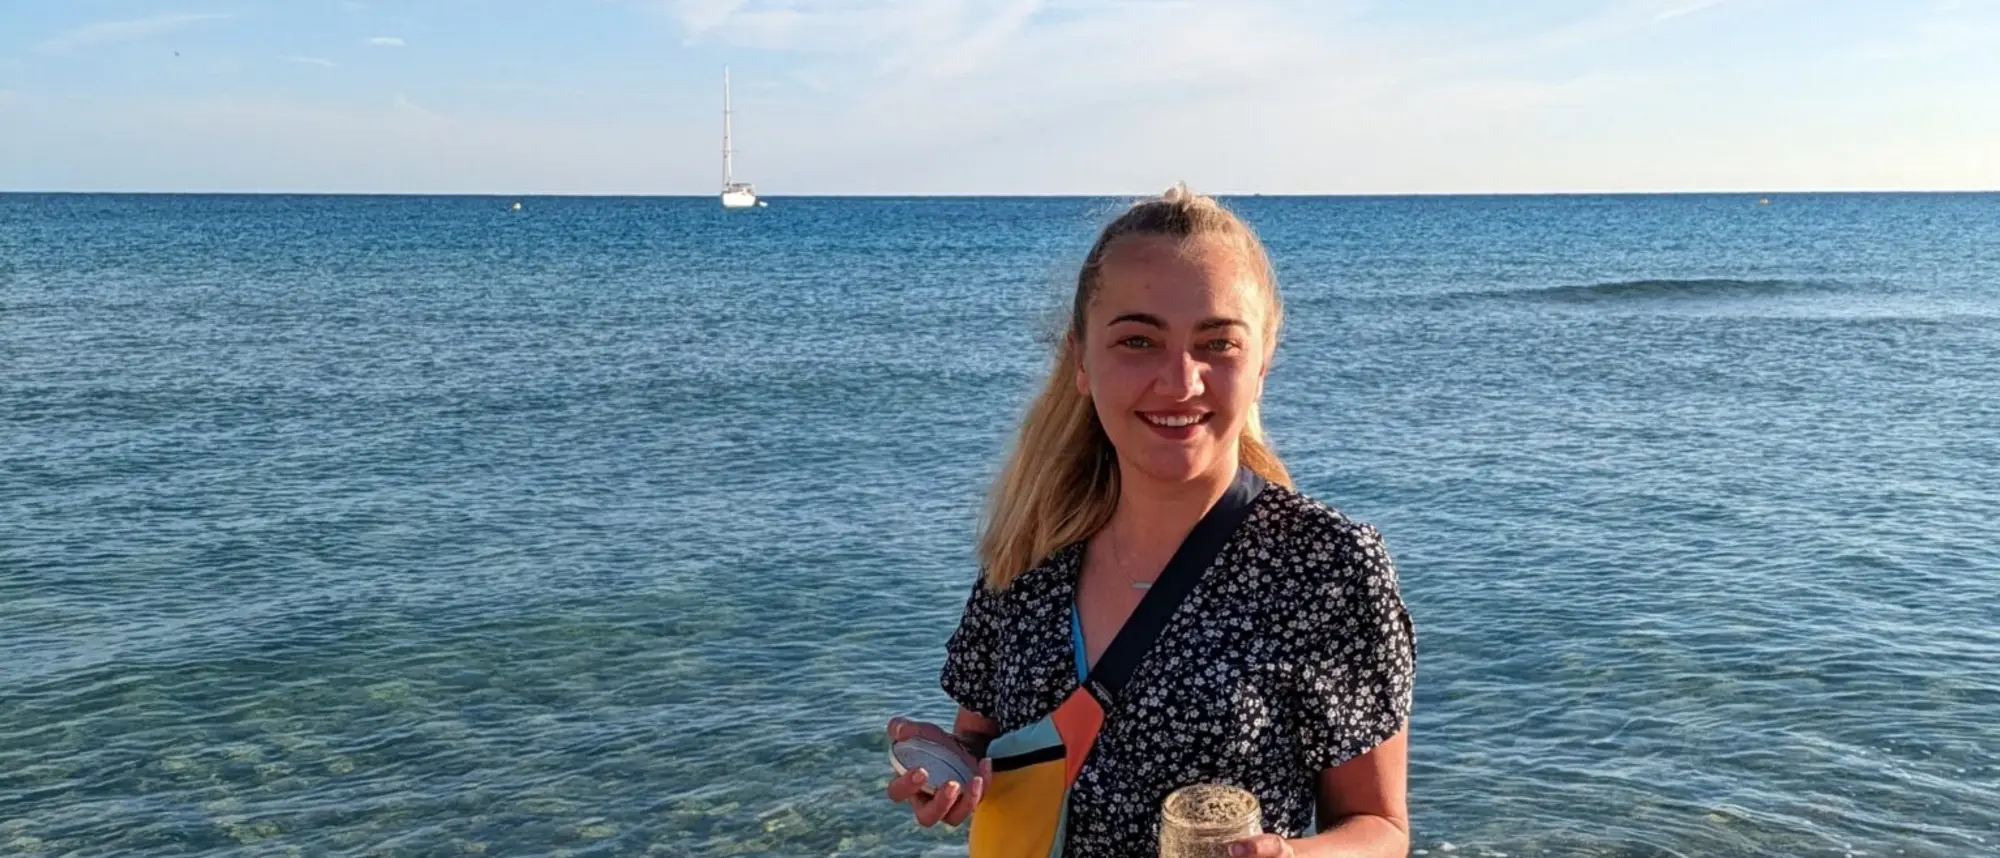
1261, 846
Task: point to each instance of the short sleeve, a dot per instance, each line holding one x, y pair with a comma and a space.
1358, 666
969, 654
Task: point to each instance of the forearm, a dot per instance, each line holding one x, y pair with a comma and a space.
1358, 836
974, 731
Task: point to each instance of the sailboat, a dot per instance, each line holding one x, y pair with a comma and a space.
735, 194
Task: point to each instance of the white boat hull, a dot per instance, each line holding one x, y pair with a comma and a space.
739, 199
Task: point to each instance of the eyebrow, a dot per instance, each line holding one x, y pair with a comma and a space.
1157, 322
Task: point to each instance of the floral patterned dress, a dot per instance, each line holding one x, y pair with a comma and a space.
1293, 652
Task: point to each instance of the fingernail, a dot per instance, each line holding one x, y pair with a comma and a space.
1238, 850
923, 776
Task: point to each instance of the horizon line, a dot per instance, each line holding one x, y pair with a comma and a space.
975, 195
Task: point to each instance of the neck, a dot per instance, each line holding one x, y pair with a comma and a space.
1155, 512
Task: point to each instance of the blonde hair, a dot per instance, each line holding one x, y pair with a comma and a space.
1060, 483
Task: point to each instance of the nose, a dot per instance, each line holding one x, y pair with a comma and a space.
1180, 377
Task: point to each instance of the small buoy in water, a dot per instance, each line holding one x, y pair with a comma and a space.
517, 206
1765, 201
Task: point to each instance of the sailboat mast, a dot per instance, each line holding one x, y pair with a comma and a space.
728, 174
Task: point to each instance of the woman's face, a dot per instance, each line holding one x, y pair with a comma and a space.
1173, 355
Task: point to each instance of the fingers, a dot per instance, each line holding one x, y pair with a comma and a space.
932, 810
907, 786
1261, 846
962, 809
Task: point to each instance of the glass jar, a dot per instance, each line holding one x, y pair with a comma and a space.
1201, 821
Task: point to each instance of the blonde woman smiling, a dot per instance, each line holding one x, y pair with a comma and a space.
1158, 607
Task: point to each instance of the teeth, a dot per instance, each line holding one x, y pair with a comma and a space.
1176, 421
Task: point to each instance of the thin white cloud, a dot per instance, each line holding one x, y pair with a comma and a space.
313, 61
131, 30
1047, 53
387, 42
700, 16
976, 42
1685, 7
405, 106
1613, 21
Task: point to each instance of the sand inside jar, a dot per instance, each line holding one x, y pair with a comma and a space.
1210, 805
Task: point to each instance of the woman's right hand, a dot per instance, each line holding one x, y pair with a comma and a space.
951, 803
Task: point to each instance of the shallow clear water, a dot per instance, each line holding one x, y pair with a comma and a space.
413, 526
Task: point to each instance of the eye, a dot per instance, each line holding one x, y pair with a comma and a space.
1135, 342
1223, 346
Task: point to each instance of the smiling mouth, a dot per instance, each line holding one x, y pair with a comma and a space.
1176, 421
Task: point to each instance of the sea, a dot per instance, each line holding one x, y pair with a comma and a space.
421, 526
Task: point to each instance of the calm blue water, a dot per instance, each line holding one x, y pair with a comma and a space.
412, 526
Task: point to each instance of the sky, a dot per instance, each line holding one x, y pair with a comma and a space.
1000, 96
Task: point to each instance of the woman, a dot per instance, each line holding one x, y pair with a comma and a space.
1158, 607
